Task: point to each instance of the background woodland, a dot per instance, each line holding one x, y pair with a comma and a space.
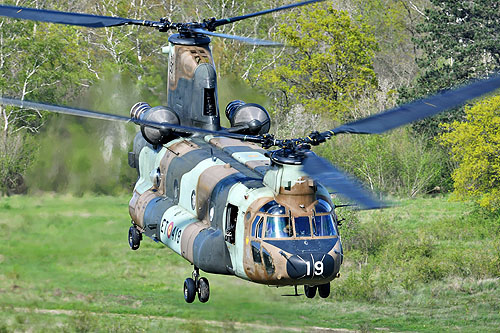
344, 60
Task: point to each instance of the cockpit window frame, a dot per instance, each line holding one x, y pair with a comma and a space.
260, 220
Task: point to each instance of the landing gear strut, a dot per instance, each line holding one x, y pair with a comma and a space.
134, 238
196, 285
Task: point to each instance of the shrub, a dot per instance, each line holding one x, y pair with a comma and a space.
394, 163
474, 146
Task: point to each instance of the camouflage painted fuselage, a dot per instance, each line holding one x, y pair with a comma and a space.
206, 199
221, 203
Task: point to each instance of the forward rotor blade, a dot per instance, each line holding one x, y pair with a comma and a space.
220, 22
326, 174
84, 20
62, 110
113, 117
248, 40
417, 110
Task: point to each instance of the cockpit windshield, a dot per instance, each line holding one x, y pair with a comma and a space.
302, 226
276, 221
278, 227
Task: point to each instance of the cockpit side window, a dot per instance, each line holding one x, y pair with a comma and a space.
324, 226
259, 229
322, 207
278, 227
254, 225
302, 226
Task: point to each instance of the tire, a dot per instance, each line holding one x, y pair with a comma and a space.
134, 238
189, 290
310, 291
324, 290
203, 290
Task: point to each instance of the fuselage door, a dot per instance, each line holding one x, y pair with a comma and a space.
230, 227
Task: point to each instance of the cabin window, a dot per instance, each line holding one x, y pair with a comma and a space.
302, 226
323, 226
231, 218
278, 227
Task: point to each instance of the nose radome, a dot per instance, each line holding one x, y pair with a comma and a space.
310, 266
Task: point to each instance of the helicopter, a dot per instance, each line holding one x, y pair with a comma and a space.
219, 197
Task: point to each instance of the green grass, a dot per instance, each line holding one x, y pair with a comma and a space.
427, 265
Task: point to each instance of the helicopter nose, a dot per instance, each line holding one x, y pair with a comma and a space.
310, 266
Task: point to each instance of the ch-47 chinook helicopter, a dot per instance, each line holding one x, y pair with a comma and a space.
215, 195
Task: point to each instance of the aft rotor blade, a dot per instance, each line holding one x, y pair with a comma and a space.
53, 16
419, 109
113, 117
248, 40
220, 22
326, 174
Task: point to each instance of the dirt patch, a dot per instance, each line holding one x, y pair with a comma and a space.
237, 325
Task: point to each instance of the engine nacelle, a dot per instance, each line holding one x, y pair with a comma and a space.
158, 114
252, 118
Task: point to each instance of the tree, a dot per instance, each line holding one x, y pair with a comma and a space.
393, 23
40, 63
459, 42
475, 146
327, 65
58, 63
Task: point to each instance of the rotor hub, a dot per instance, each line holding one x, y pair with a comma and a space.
286, 156
189, 40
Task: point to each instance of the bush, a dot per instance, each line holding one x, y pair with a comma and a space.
394, 163
364, 284
16, 155
473, 145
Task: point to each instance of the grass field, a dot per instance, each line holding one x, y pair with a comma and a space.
65, 265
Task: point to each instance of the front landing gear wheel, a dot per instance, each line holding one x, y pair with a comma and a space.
203, 290
189, 290
324, 290
310, 291
134, 238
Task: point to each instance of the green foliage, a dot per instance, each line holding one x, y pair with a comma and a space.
396, 163
86, 155
416, 244
393, 24
37, 62
459, 38
475, 146
328, 64
458, 42
16, 153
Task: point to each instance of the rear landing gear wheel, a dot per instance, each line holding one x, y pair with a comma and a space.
189, 290
134, 238
324, 290
203, 290
310, 291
